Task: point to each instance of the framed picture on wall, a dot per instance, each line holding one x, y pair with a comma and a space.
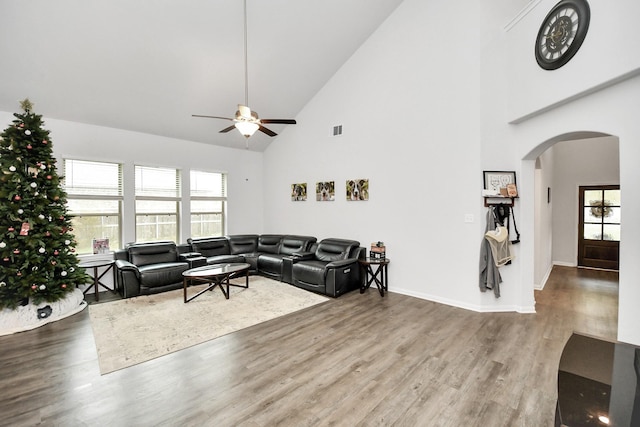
299, 192
357, 189
325, 191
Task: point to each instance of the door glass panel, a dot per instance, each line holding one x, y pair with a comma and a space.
592, 231
611, 232
612, 197
593, 214
592, 197
612, 215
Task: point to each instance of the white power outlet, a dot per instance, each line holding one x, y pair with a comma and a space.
469, 218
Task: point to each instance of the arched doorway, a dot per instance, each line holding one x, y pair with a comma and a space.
559, 166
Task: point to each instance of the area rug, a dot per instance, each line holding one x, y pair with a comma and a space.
135, 330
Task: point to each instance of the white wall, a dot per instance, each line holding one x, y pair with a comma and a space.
88, 142
544, 227
584, 162
411, 126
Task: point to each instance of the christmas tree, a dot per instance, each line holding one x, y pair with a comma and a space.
37, 250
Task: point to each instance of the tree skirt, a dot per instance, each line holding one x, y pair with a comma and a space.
31, 316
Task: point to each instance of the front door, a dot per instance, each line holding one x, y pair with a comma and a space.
599, 227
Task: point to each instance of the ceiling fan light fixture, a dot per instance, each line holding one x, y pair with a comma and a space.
247, 128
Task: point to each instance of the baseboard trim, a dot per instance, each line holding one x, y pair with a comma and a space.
470, 307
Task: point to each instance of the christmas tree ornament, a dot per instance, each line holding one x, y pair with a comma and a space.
3, 245
33, 185
16, 251
11, 229
17, 198
63, 274
34, 287
42, 287
40, 216
29, 147
27, 132
67, 242
20, 211
12, 168
63, 286
41, 250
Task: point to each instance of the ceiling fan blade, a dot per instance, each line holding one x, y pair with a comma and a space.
282, 121
211, 117
230, 128
267, 131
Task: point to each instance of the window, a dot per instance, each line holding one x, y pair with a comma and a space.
157, 203
602, 214
94, 198
208, 199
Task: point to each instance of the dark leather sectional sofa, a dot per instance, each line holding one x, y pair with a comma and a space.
328, 267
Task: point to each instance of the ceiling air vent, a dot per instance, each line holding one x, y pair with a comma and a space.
337, 130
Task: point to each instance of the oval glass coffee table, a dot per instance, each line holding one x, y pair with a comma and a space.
214, 275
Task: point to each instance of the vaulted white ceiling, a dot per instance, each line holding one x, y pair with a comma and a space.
146, 66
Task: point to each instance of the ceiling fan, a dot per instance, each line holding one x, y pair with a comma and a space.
245, 120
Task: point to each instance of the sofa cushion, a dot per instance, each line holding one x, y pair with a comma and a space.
269, 243
270, 264
225, 259
311, 271
293, 244
243, 243
335, 249
152, 275
152, 253
211, 246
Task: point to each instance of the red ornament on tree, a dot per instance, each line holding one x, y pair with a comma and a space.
49, 176
17, 198
63, 286
11, 229
29, 147
16, 251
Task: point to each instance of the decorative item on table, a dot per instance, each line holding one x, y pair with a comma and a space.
378, 250
101, 246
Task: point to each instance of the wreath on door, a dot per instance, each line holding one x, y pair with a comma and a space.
601, 209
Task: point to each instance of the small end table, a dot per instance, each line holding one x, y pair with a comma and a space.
377, 275
96, 278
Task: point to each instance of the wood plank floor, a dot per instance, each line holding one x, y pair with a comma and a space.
359, 360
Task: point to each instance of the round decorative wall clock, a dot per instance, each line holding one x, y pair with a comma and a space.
562, 33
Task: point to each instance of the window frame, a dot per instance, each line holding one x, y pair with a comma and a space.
97, 197
177, 199
222, 199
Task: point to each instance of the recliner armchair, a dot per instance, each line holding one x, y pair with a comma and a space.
331, 268
149, 268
